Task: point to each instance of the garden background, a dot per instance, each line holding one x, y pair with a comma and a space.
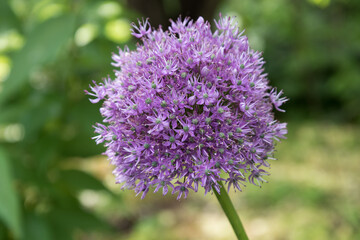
54, 183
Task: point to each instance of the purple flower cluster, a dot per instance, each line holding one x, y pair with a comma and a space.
188, 108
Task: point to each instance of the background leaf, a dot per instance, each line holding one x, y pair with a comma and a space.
42, 46
64, 221
9, 207
36, 228
78, 180
7, 17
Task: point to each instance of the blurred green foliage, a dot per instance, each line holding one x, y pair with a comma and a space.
312, 50
50, 50
49, 53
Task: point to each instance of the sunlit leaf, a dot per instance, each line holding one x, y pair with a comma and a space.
118, 30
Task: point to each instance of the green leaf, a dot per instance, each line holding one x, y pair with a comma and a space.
7, 17
36, 228
82, 115
9, 207
42, 46
78, 180
64, 221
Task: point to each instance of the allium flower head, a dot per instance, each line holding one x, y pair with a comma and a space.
188, 108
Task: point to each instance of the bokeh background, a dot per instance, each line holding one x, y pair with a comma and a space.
54, 183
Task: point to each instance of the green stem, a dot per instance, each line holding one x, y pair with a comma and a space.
230, 212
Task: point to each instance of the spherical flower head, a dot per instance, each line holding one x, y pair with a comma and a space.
188, 108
